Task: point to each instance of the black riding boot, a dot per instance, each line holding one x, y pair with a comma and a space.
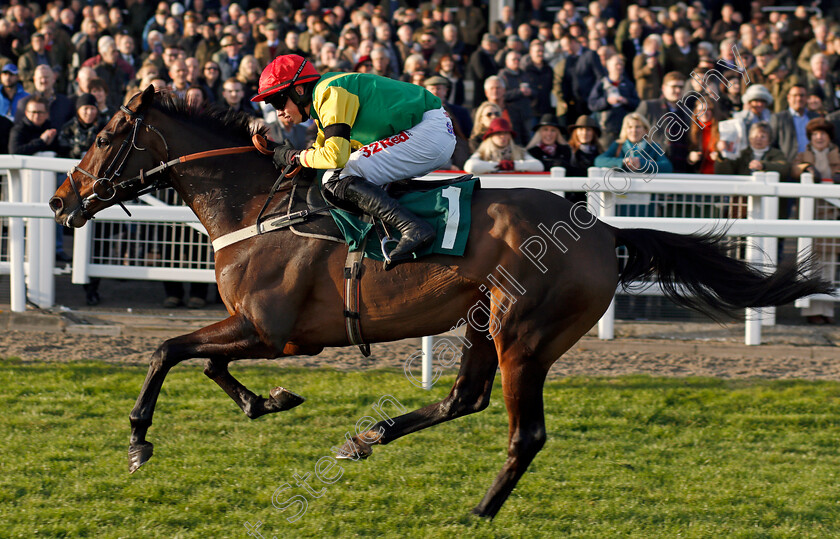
415, 232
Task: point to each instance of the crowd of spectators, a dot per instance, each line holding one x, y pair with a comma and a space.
573, 84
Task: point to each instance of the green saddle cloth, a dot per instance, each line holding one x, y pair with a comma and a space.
445, 208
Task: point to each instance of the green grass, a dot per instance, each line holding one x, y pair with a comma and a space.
631, 456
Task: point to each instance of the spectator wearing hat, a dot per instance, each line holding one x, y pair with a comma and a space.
763, 54
547, 143
584, 148
822, 159
788, 127
631, 152
268, 50
74, 140
613, 98
11, 93
498, 152
229, 57
461, 122
779, 82
756, 108
482, 65
364, 65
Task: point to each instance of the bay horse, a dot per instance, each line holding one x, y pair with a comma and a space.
283, 292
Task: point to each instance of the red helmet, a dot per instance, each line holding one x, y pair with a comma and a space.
284, 72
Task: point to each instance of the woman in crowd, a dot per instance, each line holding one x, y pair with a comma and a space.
703, 150
757, 156
446, 67
197, 97
547, 144
631, 152
498, 153
249, 75
211, 78
486, 113
584, 147
822, 159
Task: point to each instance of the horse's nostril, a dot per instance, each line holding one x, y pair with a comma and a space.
56, 204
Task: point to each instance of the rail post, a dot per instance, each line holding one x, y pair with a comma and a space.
752, 329
17, 268
804, 245
601, 202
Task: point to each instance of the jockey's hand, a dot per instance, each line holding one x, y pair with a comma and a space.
285, 154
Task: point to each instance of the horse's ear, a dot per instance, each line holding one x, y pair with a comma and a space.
148, 96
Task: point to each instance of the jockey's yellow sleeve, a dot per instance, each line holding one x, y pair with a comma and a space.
355, 109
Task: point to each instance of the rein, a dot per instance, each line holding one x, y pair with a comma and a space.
105, 188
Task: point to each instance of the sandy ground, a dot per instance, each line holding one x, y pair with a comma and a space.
655, 348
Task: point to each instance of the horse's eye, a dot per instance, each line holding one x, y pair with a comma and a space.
101, 142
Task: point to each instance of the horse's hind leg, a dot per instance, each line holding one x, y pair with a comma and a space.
470, 394
253, 405
232, 338
522, 383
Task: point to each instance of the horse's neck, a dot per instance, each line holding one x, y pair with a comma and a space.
225, 192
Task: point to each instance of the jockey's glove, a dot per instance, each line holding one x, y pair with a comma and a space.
285, 154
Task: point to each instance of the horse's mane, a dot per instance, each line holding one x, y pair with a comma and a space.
214, 118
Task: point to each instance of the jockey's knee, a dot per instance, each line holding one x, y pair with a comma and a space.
337, 186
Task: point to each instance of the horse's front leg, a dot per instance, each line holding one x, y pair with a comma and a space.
254, 406
232, 338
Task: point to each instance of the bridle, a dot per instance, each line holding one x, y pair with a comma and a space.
105, 187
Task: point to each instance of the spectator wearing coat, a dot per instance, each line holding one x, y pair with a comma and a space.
518, 94
11, 92
789, 126
74, 139
498, 153
821, 158
613, 98
631, 153
759, 156
653, 110
574, 77
647, 69
547, 144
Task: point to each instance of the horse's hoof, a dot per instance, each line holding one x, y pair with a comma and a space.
354, 449
138, 455
280, 399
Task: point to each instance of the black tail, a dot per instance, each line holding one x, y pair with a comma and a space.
695, 271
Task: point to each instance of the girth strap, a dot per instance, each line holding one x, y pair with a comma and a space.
352, 298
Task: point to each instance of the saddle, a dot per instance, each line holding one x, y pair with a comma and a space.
308, 200
307, 195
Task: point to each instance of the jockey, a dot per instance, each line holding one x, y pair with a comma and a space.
371, 131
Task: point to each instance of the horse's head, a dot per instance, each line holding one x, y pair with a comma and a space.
98, 181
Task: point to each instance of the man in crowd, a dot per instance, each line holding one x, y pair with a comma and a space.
482, 65
11, 93
59, 106
233, 97
574, 77
788, 126
676, 148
